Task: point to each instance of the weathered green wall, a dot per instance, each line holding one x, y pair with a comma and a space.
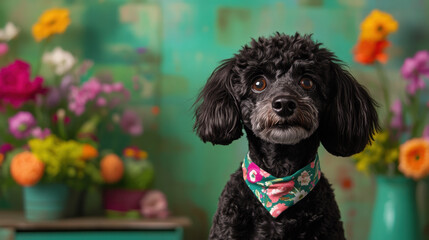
186, 40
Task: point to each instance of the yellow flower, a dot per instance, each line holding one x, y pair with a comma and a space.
52, 21
377, 25
392, 155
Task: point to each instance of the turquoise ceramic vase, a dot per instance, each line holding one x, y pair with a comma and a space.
395, 210
45, 201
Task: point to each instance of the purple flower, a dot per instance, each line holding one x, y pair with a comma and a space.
38, 132
22, 124
141, 50
131, 123
5, 148
412, 70
397, 120
254, 173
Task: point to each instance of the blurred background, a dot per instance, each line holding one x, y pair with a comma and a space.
183, 42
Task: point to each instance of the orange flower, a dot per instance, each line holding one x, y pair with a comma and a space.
112, 168
129, 152
377, 26
1, 158
414, 158
52, 21
141, 154
367, 52
89, 152
27, 169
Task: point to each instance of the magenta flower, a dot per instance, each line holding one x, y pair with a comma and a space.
5, 148
413, 69
131, 123
154, 205
4, 48
253, 173
22, 124
16, 86
38, 132
397, 119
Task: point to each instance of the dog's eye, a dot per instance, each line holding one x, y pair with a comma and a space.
306, 83
259, 85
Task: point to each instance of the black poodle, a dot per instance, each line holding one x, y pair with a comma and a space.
289, 94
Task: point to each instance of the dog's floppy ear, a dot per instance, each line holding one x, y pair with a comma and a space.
350, 120
217, 117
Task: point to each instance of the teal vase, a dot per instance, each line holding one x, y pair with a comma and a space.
394, 214
45, 201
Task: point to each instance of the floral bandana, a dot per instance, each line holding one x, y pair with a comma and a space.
278, 194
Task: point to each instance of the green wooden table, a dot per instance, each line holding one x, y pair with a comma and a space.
16, 227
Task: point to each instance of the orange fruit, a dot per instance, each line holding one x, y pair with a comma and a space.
27, 169
112, 168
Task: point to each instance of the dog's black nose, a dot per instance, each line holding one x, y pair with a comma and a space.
284, 106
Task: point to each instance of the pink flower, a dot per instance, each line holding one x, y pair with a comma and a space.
154, 205
101, 102
253, 173
412, 70
131, 123
264, 173
278, 209
21, 125
244, 173
38, 132
16, 87
4, 48
278, 190
426, 133
396, 109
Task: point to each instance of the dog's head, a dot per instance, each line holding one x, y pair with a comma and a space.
285, 89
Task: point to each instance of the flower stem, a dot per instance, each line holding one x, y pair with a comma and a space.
384, 83
39, 60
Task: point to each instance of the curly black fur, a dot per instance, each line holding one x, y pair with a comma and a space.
337, 111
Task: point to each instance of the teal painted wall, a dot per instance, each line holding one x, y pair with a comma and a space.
186, 40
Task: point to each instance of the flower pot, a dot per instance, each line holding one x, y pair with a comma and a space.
45, 201
122, 202
395, 210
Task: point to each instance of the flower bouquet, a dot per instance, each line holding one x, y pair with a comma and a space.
400, 148
55, 111
399, 154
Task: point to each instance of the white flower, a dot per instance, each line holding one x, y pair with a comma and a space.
304, 179
299, 195
61, 60
8, 32
252, 175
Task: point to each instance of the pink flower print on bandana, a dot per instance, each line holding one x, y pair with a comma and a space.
278, 209
278, 194
253, 173
276, 190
